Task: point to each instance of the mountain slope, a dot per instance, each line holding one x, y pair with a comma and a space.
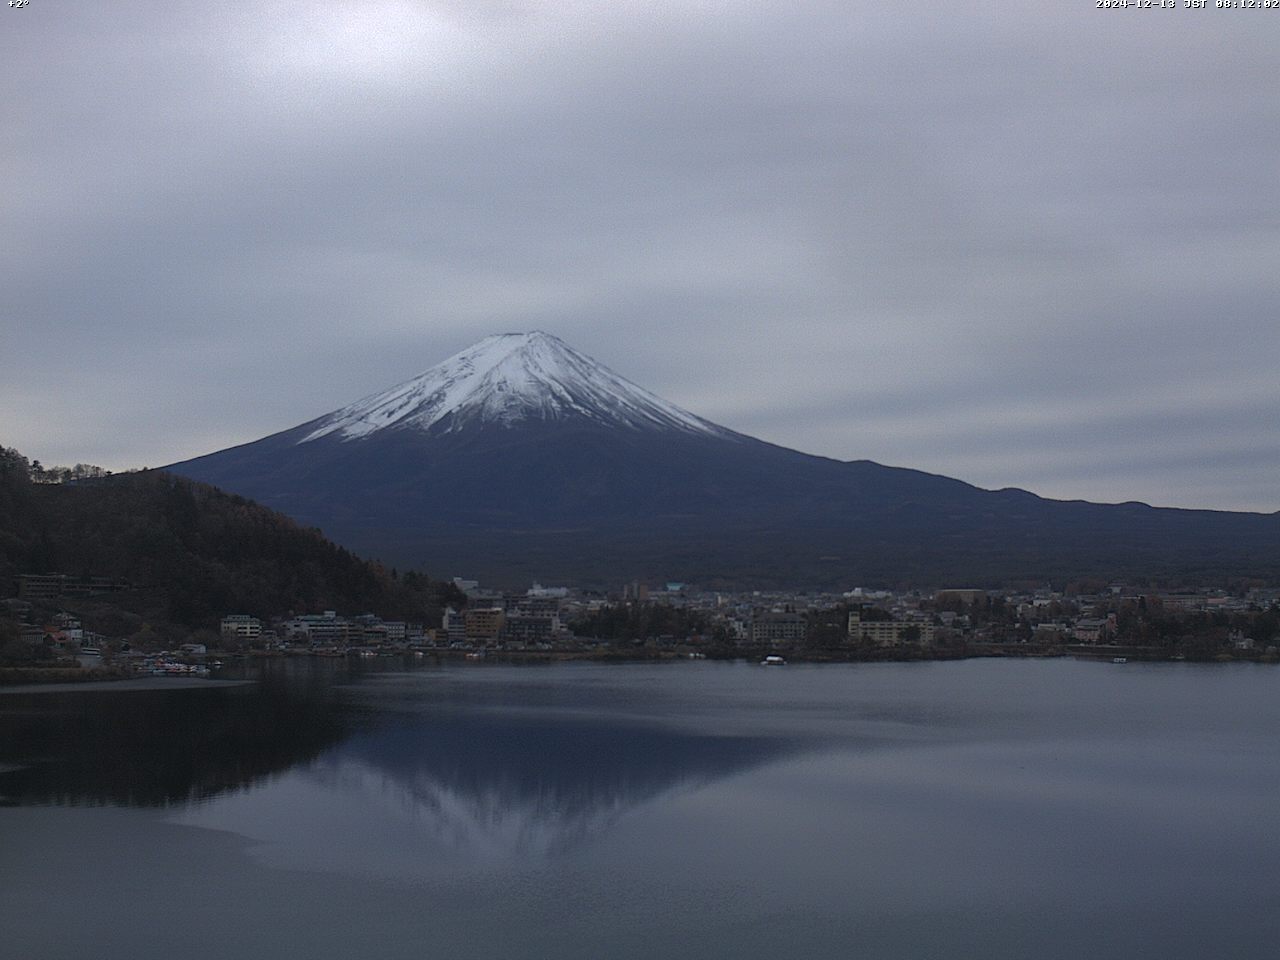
521, 458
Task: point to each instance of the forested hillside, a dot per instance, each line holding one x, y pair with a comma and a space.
188, 552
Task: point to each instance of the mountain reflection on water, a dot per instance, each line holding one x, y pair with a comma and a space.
997, 809
480, 772
473, 769
507, 787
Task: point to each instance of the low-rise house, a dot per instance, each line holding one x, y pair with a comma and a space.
1090, 630
1240, 641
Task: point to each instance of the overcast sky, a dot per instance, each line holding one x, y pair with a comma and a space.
1026, 245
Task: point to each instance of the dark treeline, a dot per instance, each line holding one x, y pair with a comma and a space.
639, 621
190, 552
39, 473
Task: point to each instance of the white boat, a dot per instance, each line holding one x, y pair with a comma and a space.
1119, 659
773, 661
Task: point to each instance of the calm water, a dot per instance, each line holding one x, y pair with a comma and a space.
984, 809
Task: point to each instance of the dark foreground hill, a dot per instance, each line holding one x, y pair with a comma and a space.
522, 458
188, 552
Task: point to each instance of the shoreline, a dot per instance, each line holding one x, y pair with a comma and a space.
126, 685
27, 680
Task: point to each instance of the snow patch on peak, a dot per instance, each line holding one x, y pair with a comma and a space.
508, 378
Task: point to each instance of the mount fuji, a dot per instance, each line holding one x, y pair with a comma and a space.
521, 457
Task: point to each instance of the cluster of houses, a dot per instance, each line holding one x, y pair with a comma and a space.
320, 632
66, 642
63, 634
530, 621
540, 618
923, 618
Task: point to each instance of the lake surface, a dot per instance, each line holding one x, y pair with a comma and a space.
993, 809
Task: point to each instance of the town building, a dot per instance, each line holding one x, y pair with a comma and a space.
484, 625
454, 625
241, 627
320, 629
635, 590
889, 633
40, 587
776, 627
533, 619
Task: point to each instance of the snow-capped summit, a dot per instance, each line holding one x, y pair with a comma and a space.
506, 379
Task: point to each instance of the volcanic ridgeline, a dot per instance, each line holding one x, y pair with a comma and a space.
521, 457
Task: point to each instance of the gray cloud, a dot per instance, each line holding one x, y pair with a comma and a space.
1023, 248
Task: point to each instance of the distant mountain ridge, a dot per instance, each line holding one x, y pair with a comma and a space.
522, 458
